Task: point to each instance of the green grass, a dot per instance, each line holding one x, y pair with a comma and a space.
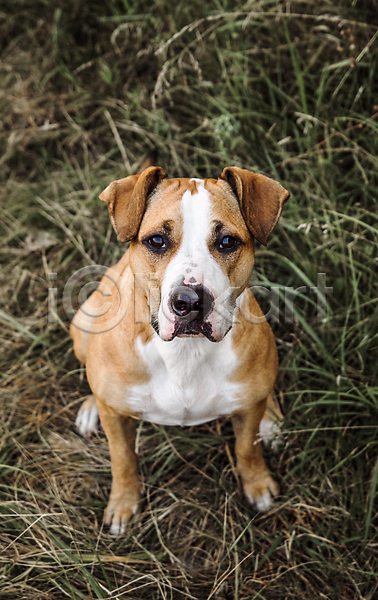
286, 89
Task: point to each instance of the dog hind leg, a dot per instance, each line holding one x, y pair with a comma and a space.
87, 420
270, 423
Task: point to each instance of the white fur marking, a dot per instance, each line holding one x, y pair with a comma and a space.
264, 503
194, 264
189, 382
117, 528
87, 420
196, 219
270, 433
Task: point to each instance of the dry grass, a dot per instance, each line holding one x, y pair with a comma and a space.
85, 89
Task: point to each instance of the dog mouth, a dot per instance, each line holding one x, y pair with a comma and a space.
184, 329
194, 329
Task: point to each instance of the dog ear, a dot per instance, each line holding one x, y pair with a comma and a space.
126, 200
260, 198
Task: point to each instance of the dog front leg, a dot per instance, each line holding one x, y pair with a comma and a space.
258, 485
125, 492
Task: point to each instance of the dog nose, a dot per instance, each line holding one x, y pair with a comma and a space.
186, 300
191, 302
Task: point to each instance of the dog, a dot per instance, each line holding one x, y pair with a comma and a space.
173, 335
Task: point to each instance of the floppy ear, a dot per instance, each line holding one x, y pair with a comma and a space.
260, 198
126, 200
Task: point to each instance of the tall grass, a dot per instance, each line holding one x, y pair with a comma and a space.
285, 89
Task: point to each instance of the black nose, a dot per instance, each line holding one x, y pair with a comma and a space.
191, 302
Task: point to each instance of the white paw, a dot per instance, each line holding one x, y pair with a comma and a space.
117, 528
87, 420
260, 491
270, 433
263, 503
118, 513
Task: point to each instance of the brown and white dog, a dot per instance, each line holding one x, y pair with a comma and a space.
182, 340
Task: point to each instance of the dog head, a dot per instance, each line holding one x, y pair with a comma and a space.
194, 239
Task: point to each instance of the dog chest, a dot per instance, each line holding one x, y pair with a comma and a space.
189, 381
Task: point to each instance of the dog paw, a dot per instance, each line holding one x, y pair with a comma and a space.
87, 420
260, 492
270, 433
118, 513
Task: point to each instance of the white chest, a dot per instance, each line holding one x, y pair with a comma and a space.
189, 381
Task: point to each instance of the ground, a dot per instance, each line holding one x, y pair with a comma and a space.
287, 89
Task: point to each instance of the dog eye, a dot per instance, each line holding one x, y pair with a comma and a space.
228, 242
156, 242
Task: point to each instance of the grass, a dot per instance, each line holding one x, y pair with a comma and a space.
286, 89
